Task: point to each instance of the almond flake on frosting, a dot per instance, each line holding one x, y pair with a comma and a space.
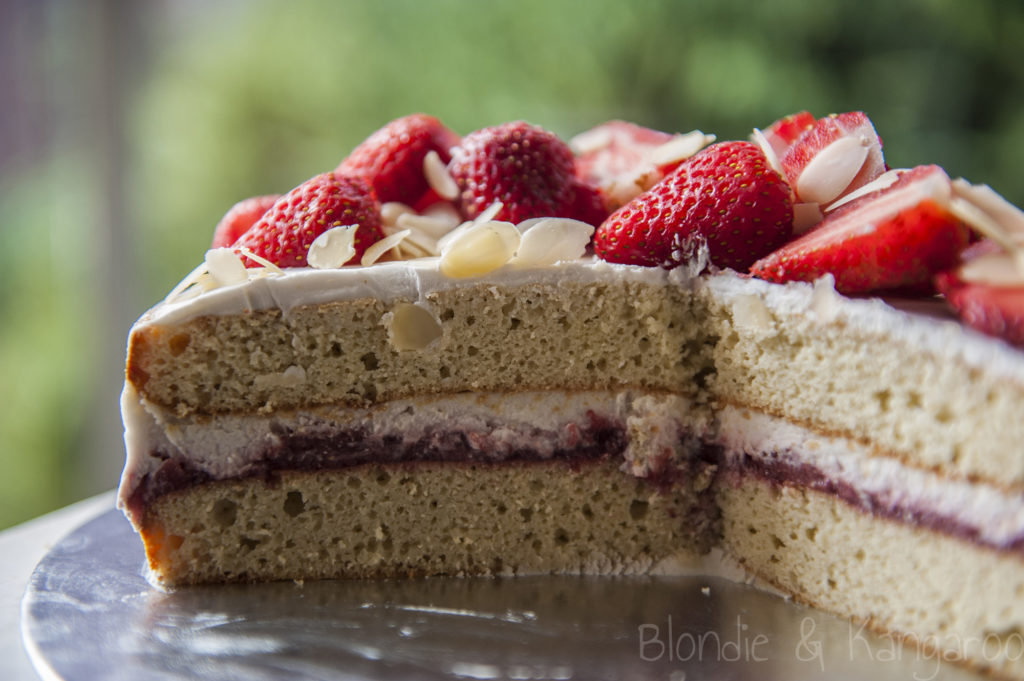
225, 266
379, 248
391, 211
438, 177
832, 169
333, 248
482, 248
551, 240
433, 227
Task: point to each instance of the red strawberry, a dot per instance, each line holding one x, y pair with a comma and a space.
994, 307
239, 218
586, 205
285, 232
848, 153
725, 196
892, 238
615, 158
784, 132
528, 169
391, 159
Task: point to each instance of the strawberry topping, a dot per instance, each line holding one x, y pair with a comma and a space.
615, 157
892, 238
784, 132
726, 197
239, 218
391, 159
526, 168
285, 232
834, 157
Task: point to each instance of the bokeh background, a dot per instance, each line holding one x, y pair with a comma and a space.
128, 128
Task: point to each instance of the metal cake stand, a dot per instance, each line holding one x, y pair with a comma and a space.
89, 613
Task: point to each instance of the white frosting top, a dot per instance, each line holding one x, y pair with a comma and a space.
389, 281
921, 324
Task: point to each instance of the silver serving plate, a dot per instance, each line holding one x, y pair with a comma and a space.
89, 613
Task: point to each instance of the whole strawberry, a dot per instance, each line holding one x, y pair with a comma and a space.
528, 169
285, 232
391, 159
726, 197
239, 218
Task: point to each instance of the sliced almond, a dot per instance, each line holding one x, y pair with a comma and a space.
994, 269
591, 141
392, 210
333, 248
758, 138
883, 181
680, 148
832, 169
270, 267
438, 177
225, 266
379, 248
411, 327
435, 228
805, 216
480, 249
553, 240
423, 242
445, 212
1004, 213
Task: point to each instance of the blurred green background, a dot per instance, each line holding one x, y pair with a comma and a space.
128, 128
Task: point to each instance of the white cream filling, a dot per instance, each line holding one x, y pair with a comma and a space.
496, 425
996, 515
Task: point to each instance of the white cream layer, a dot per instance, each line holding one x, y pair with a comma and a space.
995, 515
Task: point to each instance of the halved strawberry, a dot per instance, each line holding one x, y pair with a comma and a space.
239, 218
615, 157
285, 232
837, 155
725, 198
784, 132
892, 238
391, 159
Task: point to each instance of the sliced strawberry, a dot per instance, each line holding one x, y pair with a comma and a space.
239, 218
784, 132
391, 159
285, 232
526, 168
993, 309
892, 238
726, 197
837, 155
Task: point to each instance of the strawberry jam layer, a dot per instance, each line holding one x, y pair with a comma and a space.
597, 439
753, 444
